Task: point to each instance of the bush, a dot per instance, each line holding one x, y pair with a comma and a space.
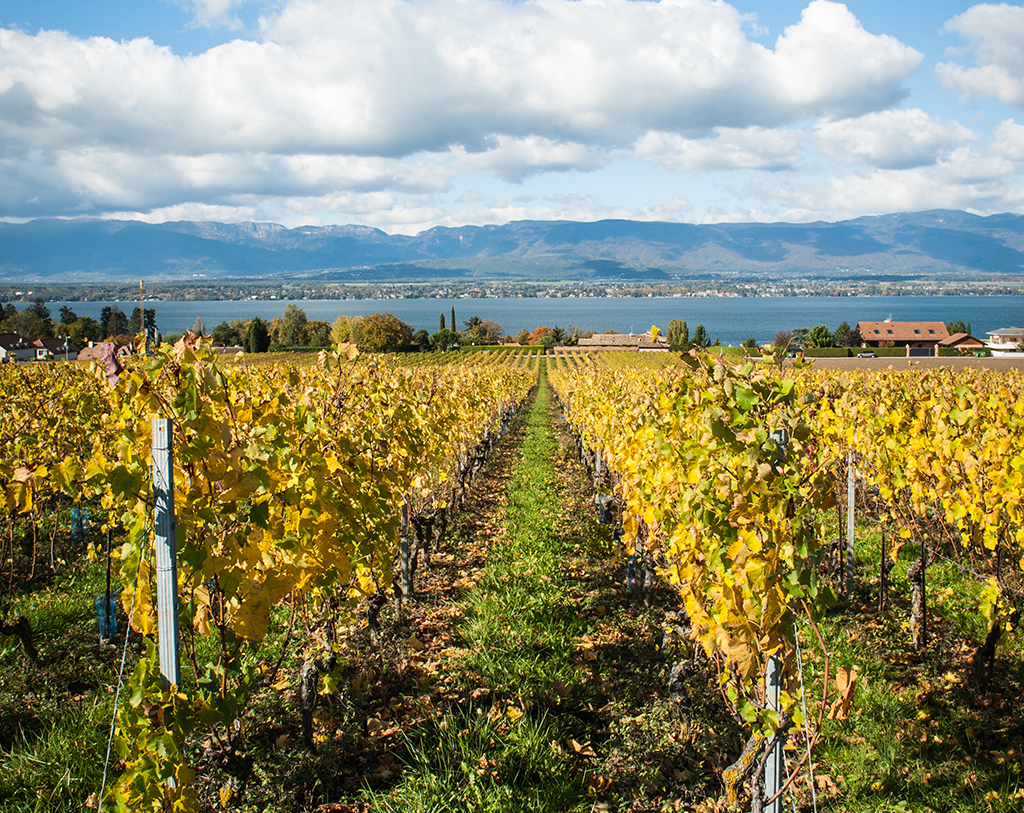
831, 352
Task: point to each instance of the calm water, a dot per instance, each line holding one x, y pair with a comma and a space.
730, 319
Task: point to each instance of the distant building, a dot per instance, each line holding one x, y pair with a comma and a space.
964, 342
902, 334
1005, 340
14, 348
640, 342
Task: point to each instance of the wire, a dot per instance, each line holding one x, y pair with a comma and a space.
807, 738
120, 679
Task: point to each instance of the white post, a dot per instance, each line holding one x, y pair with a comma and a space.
775, 765
166, 550
598, 465
851, 494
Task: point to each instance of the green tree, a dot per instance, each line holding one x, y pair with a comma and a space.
441, 325
483, 331
151, 329
292, 328
385, 331
422, 340
225, 335
700, 337
85, 330
6, 315
750, 344
67, 318
678, 336
257, 337
446, 340
841, 336
959, 326
113, 321
800, 337
454, 323
820, 336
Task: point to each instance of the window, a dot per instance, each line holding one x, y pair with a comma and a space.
918, 331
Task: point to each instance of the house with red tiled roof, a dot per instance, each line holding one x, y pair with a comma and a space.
902, 334
964, 342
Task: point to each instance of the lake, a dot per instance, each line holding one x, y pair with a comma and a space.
731, 319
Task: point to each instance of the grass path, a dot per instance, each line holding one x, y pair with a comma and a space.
558, 676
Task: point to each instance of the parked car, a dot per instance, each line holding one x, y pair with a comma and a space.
866, 355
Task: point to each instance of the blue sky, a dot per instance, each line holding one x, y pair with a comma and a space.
406, 115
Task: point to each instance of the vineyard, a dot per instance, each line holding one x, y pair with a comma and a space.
492, 581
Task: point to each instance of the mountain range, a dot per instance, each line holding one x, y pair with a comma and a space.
940, 243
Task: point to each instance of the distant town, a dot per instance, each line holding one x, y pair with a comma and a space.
482, 289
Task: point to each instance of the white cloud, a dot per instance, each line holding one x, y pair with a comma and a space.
1009, 140
401, 97
727, 148
995, 34
963, 180
891, 139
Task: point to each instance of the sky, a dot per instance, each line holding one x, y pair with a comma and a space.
404, 115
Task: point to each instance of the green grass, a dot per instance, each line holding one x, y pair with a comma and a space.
55, 714
521, 635
923, 735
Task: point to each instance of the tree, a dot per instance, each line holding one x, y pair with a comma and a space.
750, 344
523, 336
557, 336
346, 329
151, 329
483, 331
783, 341
453, 320
472, 322
958, 327
257, 337
446, 340
700, 337
841, 336
318, 333
384, 331
819, 336
8, 313
291, 331
422, 340
67, 318
441, 325
537, 335
198, 327
800, 337
225, 335
678, 336
113, 321
85, 330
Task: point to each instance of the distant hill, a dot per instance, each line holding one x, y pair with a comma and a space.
937, 242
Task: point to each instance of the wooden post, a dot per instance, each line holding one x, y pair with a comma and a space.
166, 550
